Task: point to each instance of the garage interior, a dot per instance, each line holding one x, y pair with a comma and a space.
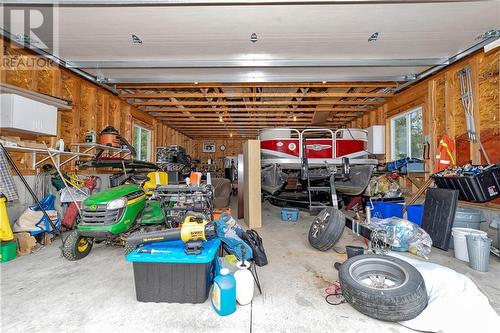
143, 141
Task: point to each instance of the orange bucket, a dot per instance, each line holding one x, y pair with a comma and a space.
218, 212
195, 178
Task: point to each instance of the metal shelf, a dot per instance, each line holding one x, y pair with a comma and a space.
110, 151
57, 154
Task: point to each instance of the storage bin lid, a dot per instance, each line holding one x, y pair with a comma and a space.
173, 252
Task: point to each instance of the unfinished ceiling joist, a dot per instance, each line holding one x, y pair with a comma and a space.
168, 111
256, 95
256, 103
244, 105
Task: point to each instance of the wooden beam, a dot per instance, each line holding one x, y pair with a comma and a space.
248, 126
244, 115
178, 95
201, 110
449, 115
257, 103
256, 85
216, 121
223, 133
475, 153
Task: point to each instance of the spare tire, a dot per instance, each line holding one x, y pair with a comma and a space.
326, 228
383, 287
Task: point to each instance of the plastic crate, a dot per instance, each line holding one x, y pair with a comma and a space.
384, 210
414, 213
168, 274
482, 187
289, 214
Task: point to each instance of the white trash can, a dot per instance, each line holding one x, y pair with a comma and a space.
460, 243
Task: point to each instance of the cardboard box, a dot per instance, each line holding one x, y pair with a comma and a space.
25, 243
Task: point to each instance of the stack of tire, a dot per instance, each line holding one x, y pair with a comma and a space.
379, 286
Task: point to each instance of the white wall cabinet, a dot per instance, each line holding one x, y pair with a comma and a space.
376, 139
26, 115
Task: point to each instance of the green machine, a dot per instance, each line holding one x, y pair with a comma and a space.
112, 215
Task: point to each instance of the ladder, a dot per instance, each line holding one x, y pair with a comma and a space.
467, 98
315, 206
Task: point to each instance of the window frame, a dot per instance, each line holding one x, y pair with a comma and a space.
149, 145
407, 116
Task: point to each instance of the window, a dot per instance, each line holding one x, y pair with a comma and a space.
142, 142
406, 135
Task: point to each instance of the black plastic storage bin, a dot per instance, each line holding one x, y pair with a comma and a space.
482, 187
163, 272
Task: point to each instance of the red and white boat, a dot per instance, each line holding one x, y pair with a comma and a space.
283, 151
287, 147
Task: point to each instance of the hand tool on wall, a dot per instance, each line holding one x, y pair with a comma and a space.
467, 98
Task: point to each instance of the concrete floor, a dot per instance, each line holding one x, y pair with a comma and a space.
44, 292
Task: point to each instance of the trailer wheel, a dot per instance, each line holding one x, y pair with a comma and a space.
383, 287
76, 247
326, 229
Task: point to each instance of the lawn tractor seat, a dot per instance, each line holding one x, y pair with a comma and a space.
222, 192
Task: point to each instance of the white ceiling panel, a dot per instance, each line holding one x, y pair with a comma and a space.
101, 36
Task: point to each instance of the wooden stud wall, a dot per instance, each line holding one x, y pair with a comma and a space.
439, 96
234, 146
93, 107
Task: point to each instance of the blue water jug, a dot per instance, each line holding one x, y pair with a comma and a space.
223, 295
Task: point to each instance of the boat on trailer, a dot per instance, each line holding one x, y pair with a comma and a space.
290, 155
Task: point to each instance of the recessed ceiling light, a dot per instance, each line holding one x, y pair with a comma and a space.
231, 135
294, 118
196, 82
220, 119
136, 39
373, 37
323, 82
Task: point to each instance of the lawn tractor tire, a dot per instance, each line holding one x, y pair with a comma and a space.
383, 287
76, 247
326, 229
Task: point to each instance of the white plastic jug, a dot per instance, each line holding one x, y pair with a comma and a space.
244, 283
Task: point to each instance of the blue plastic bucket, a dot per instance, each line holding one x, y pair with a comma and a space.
384, 210
415, 213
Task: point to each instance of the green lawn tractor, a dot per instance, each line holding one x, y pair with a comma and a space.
111, 215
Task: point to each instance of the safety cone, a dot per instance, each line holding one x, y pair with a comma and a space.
5, 229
